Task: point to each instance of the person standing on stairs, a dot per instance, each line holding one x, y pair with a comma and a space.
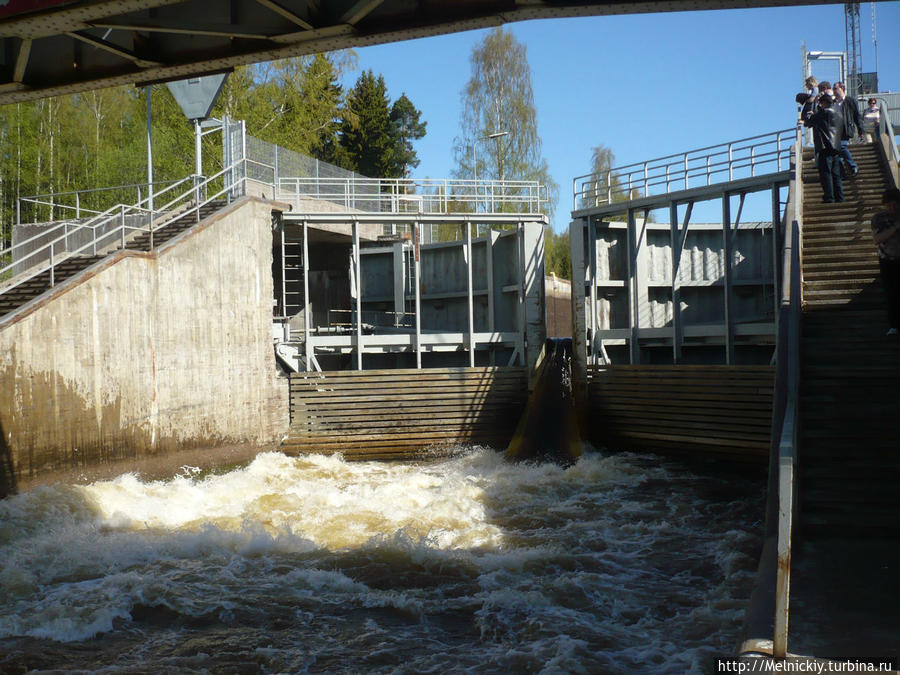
886, 232
871, 119
852, 124
827, 127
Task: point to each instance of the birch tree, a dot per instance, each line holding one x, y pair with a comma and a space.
499, 137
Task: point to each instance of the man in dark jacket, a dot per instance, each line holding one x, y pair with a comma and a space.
852, 123
827, 126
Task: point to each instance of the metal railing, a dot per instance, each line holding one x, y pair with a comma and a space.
886, 132
766, 627
74, 200
766, 153
787, 399
111, 229
401, 195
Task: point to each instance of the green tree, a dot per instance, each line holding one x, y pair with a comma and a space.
367, 138
605, 182
557, 256
499, 99
407, 127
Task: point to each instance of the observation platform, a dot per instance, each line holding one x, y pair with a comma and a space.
831, 557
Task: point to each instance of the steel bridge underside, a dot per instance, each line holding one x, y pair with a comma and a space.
66, 46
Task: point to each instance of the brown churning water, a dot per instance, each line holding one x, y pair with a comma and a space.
618, 563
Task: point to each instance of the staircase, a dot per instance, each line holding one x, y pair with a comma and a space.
141, 242
27, 291
850, 370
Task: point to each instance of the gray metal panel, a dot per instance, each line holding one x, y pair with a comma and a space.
197, 95
115, 42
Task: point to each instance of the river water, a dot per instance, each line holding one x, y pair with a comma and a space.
621, 563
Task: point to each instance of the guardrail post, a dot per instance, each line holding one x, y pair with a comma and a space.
686, 172
730, 162
778, 150
77, 205
122, 219
52, 267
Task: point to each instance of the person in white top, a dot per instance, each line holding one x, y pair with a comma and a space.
871, 119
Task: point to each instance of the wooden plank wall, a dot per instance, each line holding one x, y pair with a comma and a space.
401, 414
700, 411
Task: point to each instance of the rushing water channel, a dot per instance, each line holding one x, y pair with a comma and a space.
622, 563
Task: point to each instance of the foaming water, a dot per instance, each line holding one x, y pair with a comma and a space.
620, 563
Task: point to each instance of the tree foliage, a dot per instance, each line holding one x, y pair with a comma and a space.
99, 138
375, 136
407, 127
499, 137
557, 256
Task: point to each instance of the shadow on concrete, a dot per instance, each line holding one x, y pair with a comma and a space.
7, 474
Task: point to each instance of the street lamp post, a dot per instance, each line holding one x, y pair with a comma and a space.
495, 136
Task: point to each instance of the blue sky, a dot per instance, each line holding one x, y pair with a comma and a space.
644, 85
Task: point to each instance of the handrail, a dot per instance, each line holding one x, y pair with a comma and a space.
156, 219
788, 382
766, 626
391, 195
753, 153
38, 199
887, 139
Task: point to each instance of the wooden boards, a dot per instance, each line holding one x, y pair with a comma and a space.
699, 411
404, 413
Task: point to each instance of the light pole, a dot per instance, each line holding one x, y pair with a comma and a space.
497, 135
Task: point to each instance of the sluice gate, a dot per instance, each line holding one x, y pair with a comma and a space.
550, 428
404, 413
711, 411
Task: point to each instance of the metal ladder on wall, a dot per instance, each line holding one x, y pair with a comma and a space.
292, 267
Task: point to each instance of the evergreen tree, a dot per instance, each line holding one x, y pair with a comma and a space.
407, 127
366, 137
499, 99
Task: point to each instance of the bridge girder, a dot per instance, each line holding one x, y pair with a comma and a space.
66, 46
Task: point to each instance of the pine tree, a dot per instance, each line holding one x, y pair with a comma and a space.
407, 127
366, 137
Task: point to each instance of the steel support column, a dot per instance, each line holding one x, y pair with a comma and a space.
471, 301
728, 255
307, 308
418, 295
357, 268
592, 275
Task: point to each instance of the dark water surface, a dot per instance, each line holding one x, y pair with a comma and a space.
621, 563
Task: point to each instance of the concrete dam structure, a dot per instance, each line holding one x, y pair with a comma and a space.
148, 352
208, 322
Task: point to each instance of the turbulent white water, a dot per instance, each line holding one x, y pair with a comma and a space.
620, 563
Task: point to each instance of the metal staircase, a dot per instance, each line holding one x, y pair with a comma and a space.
69, 248
849, 465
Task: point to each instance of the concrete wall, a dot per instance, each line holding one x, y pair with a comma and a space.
149, 353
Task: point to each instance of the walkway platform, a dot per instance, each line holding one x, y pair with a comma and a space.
846, 563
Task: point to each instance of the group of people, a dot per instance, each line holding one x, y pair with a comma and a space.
835, 120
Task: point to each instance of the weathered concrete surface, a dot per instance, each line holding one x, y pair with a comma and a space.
151, 353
